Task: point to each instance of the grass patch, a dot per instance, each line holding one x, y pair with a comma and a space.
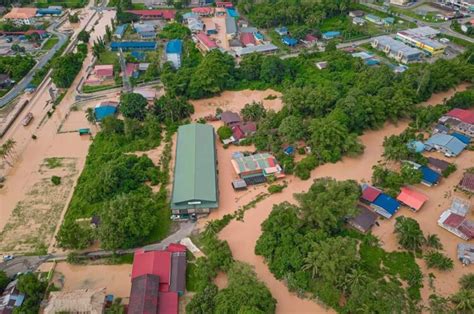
107, 57
50, 43
53, 162
91, 89
191, 277
74, 4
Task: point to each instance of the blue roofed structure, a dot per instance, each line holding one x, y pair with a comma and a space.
385, 205
331, 35
463, 138
174, 46
289, 41
139, 55
430, 177
49, 11
102, 112
130, 45
258, 36
416, 146
447, 144
120, 31
372, 62
232, 12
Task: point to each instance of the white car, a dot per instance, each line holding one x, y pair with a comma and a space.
7, 258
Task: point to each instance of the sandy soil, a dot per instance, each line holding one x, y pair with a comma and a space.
31, 153
221, 280
116, 278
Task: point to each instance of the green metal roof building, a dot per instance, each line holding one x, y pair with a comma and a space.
195, 177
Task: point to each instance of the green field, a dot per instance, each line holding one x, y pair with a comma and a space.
107, 57
53, 40
66, 4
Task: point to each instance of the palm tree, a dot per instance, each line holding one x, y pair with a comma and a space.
409, 233
432, 240
90, 115
467, 282
463, 301
356, 278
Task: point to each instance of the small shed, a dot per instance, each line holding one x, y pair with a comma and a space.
331, 35
84, 131
321, 65
239, 184
230, 118
289, 150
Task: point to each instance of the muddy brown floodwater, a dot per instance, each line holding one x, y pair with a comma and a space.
242, 235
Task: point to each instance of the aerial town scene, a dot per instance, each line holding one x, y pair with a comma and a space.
243, 157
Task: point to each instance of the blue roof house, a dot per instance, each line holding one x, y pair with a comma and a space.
385, 205
102, 112
258, 36
331, 35
49, 11
430, 177
289, 150
463, 138
289, 41
120, 31
232, 12
282, 31
174, 50
449, 145
416, 146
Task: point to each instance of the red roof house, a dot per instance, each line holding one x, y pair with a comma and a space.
206, 41
154, 14
370, 193
224, 4
466, 116
247, 39
412, 198
104, 71
203, 11
131, 69
467, 182
310, 38
158, 279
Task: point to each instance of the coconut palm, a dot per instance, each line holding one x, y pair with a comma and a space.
432, 240
356, 278
312, 264
90, 115
409, 233
467, 281
463, 301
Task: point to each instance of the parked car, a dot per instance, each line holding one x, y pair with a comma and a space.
7, 258
466, 253
27, 119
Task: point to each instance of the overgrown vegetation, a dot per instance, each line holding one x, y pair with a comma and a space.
17, 66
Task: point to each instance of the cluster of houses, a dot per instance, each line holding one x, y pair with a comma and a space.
308, 41
28, 16
253, 169
103, 74
240, 129
410, 45
360, 18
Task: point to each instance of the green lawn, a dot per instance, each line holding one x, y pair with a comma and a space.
91, 89
53, 40
107, 57
66, 3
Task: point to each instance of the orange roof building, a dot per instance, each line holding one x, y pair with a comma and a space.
21, 14
412, 198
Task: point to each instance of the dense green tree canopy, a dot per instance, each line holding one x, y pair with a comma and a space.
133, 106
66, 68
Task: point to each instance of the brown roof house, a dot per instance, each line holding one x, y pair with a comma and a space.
467, 182
230, 118
90, 301
364, 220
438, 165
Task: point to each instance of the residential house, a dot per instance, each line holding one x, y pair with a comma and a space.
21, 16
174, 50
282, 31
465, 253
266, 48
11, 298
331, 35
154, 14
457, 224
356, 13
148, 93
5, 81
210, 27
364, 220
467, 182
224, 4
158, 280
247, 39
205, 42
195, 188
190, 15
463, 138
438, 165
255, 169
230, 118
440, 128
195, 25
291, 42
138, 55
120, 31
231, 12
369, 193
449, 145
411, 198
374, 19
104, 71
309, 40
388, 21
230, 27
358, 21
243, 130
429, 176
203, 11
460, 120
105, 109
385, 205
76, 301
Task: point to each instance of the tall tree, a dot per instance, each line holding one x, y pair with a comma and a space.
409, 233
133, 106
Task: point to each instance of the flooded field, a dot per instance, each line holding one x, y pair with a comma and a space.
116, 278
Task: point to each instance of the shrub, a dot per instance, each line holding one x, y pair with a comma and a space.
438, 260
276, 188
224, 132
450, 169
304, 167
56, 180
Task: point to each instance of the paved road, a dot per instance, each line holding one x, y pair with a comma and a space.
444, 27
20, 87
21, 264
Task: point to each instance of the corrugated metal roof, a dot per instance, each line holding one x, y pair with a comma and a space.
387, 202
451, 143
230, 25
429, 175
195, 169
174, 46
